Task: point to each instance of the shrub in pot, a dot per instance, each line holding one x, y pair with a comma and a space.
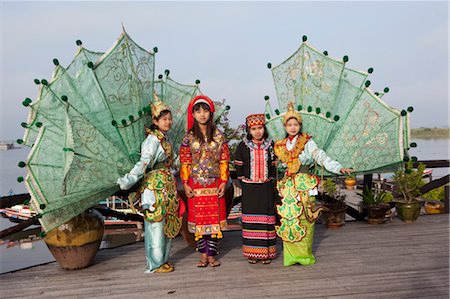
408, 182
334, 203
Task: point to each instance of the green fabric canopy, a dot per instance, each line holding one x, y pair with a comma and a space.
86, 127
346, 119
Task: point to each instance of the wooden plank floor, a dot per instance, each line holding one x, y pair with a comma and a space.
393, 260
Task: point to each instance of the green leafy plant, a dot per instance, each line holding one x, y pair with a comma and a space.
408, 181
331, 194
372, 197
435, 194
350, 176
329, 187
388, 197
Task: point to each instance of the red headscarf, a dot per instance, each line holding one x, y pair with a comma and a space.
198, 99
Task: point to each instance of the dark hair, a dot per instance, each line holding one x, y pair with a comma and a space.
301, 126
162, 114
210, 126
250, 137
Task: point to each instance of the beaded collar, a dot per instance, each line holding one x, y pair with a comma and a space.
252, 145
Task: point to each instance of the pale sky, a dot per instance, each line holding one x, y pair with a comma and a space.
228, 44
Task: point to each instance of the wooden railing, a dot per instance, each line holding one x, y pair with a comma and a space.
8, 201
444, 181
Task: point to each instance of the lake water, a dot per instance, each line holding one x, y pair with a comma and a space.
22, 251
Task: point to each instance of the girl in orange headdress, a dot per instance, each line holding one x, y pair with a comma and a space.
204, 159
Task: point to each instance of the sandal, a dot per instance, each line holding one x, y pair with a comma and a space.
213, 262
165, 268
202, 264
266, 262
250, 261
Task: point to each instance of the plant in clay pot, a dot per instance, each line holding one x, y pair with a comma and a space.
350, 182
374, 203
408, 182
334, 203
434, 201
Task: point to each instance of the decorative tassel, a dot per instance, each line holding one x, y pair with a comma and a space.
197, 236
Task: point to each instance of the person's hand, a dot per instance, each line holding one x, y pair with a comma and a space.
346, 170
221, 189
188, 190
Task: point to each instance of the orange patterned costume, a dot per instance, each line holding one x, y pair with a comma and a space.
204, 166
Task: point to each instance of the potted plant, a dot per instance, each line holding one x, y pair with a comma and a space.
350, 182
334, 203
434, 201
374, 203
408, 182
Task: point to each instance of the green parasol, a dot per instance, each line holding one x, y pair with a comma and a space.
346, 119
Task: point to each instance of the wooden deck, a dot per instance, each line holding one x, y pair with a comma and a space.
393, 260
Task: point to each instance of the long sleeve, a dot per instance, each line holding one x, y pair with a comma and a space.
185, 160
313, 153
224, 163
272, 166
149, 150
239, 161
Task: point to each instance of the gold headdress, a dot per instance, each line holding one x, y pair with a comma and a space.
157, 106
292, 113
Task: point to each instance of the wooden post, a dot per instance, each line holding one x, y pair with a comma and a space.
368, 178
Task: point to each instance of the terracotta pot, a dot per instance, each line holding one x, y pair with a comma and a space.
434, 207
334, 217
409, 212
75, 243
350, 183
377, 214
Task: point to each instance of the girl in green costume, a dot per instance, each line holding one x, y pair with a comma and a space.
158, 191
298, 189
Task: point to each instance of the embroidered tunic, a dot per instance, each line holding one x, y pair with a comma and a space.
259, 161
255, 166
204, 166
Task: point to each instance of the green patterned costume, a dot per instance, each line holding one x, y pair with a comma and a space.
298, 191
298, 217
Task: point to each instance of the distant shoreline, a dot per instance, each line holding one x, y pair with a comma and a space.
430, 133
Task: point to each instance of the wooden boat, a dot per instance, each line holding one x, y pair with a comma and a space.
18, 213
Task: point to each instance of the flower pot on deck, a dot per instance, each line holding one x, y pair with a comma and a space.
334, 215
408, 211
434, 207
377, 214
350, 183
75, 243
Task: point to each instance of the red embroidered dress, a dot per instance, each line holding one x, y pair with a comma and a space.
204, 166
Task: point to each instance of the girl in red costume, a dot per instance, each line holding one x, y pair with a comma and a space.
204, 158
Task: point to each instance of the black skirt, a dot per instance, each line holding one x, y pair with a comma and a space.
258, 220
